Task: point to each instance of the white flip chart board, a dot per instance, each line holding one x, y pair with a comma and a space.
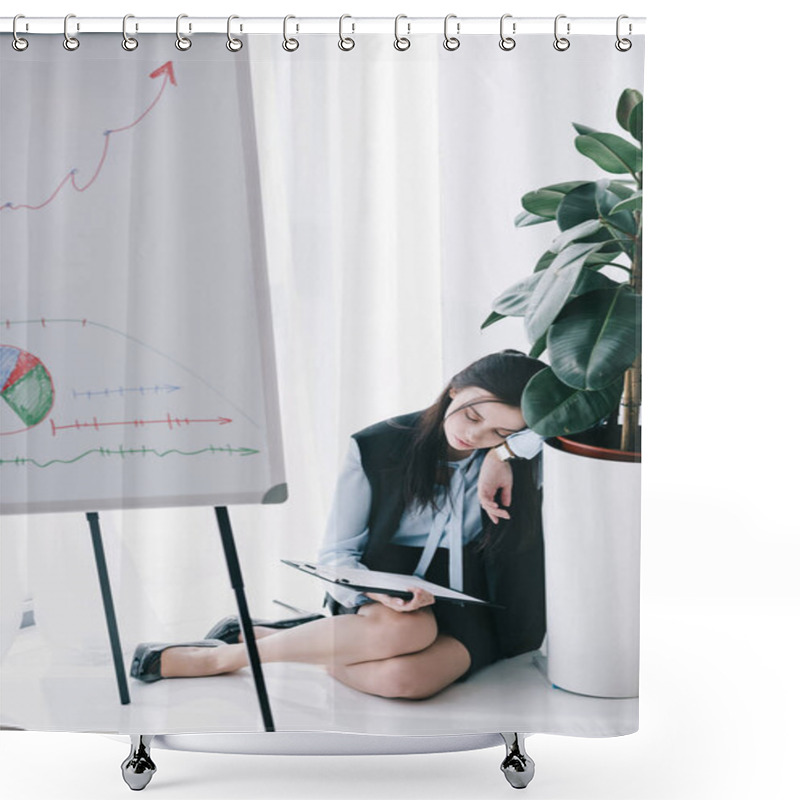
137, 365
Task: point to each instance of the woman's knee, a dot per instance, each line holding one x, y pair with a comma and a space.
399, 679
398, 632
413, 630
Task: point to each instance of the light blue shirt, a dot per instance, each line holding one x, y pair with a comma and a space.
456, 522
525, 443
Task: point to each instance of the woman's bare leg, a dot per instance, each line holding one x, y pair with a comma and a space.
414, 676
376, 632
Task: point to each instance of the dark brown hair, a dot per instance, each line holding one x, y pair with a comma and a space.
504, 375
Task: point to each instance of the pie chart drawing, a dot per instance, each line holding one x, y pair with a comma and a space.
26, 389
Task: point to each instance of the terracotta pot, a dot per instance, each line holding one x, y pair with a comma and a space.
594, 451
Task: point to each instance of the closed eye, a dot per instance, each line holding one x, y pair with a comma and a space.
477, 418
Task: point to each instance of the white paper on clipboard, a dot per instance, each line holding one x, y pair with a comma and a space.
382, 582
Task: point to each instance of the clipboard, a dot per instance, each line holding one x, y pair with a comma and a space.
391, 583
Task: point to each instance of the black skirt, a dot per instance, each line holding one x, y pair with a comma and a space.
470, 624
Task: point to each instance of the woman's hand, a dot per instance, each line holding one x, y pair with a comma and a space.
420, 599
495, 475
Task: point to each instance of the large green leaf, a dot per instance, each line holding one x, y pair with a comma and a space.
602, 257
596, 337
633, 203
628, 100
610, 152
551, 408
594, 261
545, 261
606, 202
592, 201
590, 280
580, 231
583, 128
622, 189
577, 206
491, 319
544, 202
539, 346
524, 218
636, 120
553, 288
515, 300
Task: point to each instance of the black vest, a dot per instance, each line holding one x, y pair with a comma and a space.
514, 570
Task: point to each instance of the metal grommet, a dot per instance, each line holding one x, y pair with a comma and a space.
128, 42
623, 45
561, 43
181, 41
70, 42
401, 43
507, 42
18, 43
290, 45
346, 43
233, 44
451, 42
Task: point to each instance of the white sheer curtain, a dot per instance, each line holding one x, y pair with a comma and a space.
390, 181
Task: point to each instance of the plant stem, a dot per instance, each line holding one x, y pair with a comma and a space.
632, 393
631, 402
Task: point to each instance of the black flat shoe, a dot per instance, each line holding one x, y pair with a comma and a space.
228, 629
146, 664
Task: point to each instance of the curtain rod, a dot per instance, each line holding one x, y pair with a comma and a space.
461, 26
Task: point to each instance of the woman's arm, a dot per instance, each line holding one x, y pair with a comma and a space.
496, 475
347, 530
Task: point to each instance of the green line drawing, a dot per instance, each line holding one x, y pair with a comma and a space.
122, 452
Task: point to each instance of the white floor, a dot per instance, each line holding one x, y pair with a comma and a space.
37, 692
720, 723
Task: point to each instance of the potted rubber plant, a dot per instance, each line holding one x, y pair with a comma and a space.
581, 307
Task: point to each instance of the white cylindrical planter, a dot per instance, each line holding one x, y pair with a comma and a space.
591, 517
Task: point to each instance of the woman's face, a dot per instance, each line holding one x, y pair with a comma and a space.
476, 420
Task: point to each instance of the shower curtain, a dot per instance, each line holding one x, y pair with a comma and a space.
221, 270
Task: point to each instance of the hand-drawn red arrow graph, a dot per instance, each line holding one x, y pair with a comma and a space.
172, 422
168, 75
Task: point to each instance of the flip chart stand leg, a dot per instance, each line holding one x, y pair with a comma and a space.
108, 606
237, 582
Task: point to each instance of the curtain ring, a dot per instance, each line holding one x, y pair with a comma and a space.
290, 45
623, 45
70, 42
401, 42
346, 43
128, 42
233, 44
561, 43
181, 41
507, 42
451, 42
18, 43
